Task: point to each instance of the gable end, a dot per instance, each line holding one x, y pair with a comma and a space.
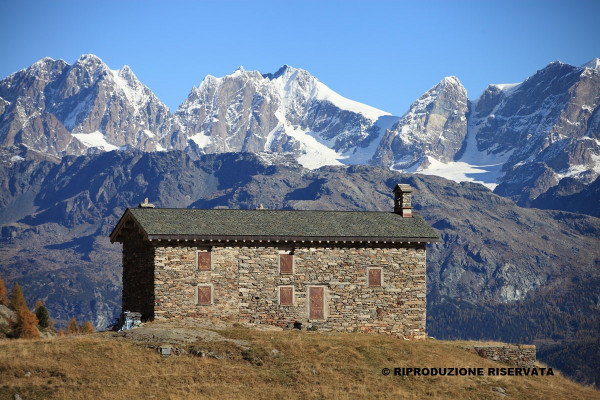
128, 225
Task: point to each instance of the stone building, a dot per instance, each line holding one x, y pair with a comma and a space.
336, 270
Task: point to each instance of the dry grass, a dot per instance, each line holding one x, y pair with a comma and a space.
306, 365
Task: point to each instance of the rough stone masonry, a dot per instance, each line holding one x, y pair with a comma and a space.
334, 270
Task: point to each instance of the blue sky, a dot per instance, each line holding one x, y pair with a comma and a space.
382, 53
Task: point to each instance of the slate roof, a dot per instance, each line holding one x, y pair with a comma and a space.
274, 225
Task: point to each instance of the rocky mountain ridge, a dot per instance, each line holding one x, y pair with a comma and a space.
547, 128
63, 109
286, 112
521, 139
435, 126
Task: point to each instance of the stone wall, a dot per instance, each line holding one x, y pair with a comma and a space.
138, 276
519, 355
245, 282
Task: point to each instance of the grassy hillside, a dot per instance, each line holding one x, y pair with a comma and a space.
258, 364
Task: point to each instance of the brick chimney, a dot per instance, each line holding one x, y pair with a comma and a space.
402, 204
145, 204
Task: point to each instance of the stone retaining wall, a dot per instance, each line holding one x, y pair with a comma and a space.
519, 355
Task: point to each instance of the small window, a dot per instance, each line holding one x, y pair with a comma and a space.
204, 260
204, 295
374, 277
286, 263
286, 295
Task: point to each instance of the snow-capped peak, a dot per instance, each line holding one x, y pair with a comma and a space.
506, 87
89, 57
126, 71
281, 71
42, 62
289, 79
126, 81
447, 83
209, 79
291, 82
593, 64
89, 60
92, 67
239, 71
324, 93
41, 66
451, 80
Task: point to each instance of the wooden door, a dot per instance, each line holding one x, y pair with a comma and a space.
316, 302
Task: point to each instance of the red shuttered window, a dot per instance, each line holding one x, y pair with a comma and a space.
286, 295
204, 260
204, 295
374, 277
286, 264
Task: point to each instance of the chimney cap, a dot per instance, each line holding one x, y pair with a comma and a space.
403, 188
145, 204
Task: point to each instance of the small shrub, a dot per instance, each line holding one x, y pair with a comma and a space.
87, 327
72, 327
3, 293
252, 357
42, 315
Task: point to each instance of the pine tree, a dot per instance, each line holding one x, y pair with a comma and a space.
42, 315
61, 332
72, 328
26, 324
87, 327
3, 293
17, 300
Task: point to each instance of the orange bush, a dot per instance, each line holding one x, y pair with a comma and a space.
26, 324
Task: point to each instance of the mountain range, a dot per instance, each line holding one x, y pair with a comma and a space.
518, 139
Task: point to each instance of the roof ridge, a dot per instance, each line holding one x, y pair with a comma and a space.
209, 224
258, 210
